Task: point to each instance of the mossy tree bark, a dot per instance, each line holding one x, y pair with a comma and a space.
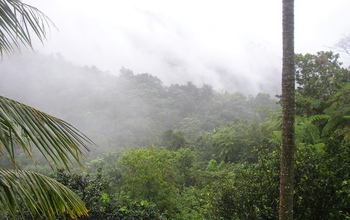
288, 114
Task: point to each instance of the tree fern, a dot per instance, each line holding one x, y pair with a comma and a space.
308, 129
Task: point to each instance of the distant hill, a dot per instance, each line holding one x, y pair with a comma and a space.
125, 110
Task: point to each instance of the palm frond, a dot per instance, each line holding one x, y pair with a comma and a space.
23, 126
40, 195
320, 118
17, 22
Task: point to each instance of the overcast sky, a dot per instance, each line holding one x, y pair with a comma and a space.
188, 40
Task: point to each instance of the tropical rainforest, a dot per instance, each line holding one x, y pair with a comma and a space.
184, 151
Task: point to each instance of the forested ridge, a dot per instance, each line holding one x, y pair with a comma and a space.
125, 109
188, 151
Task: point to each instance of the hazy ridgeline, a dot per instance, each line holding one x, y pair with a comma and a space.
124, 109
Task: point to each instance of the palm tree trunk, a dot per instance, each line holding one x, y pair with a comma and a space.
288, 114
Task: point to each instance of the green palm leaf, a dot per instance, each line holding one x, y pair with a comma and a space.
17, 22
25, 127
38, 194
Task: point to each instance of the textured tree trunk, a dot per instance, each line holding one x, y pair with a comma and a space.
288, 114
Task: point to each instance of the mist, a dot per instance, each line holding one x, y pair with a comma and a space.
202, 42
127, 109
233, 48
181, 102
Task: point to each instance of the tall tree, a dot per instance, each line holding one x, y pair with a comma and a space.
318, 77
24, 128
288, 114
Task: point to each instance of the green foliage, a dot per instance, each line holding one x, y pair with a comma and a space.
101, 205
191, 204
321, 181
173, 140
235, 141
251, 191
212, 166
88, 188
339, 111
139, 209
221, 150
126, 111
308, 130
150, 174
245, 192
318, 77
107, 165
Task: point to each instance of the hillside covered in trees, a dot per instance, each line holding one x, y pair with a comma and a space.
189, 151
124, 110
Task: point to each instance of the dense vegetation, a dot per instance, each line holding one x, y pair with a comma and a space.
189, 152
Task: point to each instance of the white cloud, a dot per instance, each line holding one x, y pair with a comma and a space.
181, 41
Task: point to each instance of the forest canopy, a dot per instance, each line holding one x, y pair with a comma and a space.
184, 151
